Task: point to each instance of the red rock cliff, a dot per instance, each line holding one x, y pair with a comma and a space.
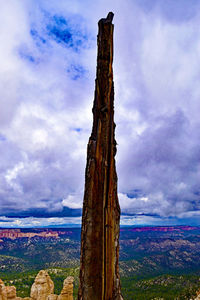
99, 273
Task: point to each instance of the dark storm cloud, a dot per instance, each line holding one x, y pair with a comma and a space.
163, 163
44, 213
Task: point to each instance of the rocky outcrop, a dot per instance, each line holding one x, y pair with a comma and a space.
52, 297
198, 296
3, 291
99, 272
7, 292
11, 292
67, 291
42, 287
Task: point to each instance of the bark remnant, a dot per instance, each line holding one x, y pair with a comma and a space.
99, 270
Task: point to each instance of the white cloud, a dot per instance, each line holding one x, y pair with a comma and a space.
38, 222
45, 114
73, 201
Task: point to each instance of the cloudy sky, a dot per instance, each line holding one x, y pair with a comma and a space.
47, 73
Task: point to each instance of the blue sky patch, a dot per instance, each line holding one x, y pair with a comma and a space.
61, 36
24, 54
76, 71
78, 129
60, 21
37, 37
63, 32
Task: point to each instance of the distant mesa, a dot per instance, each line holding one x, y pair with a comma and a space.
164, 228
17, 233
42, 289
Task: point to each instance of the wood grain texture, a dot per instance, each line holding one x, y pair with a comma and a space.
99, 271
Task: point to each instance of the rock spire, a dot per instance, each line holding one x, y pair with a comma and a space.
67, 291
42, 289
99, 272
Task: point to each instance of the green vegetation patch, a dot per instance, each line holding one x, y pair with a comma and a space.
166, 287
22, 281
11, 263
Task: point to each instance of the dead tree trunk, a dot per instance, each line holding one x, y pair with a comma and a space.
99, 271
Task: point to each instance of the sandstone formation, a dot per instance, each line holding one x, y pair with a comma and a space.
198, 296
42, 287
67, 291
3, 292
99, 272
7, 292
52, 297
11, 292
